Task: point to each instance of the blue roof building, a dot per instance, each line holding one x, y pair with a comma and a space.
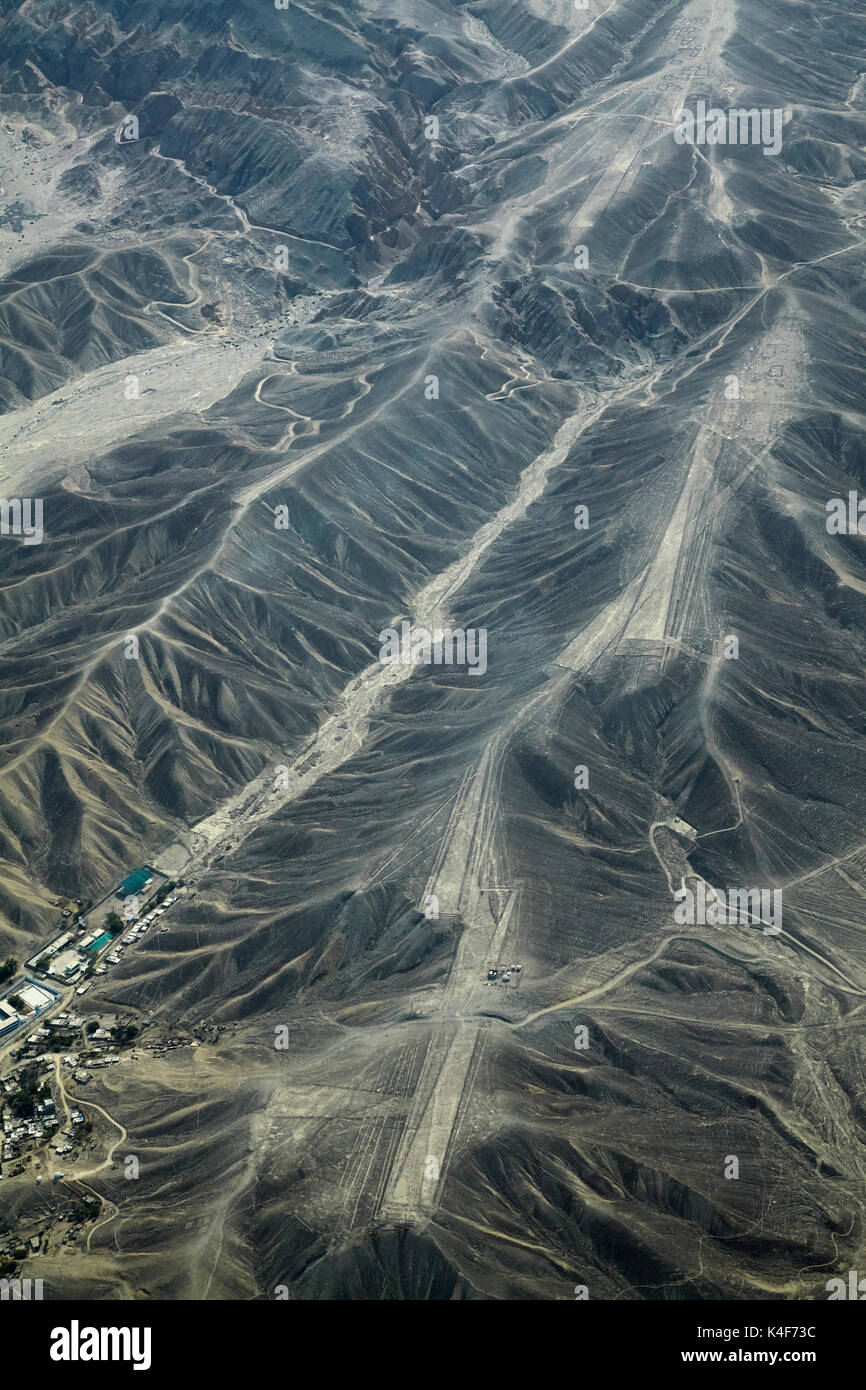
136, 882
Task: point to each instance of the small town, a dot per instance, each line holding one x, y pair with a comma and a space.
90, 940
50, 1051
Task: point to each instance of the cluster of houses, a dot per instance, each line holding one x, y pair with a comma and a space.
87, 947
139, 926
82, 948
81, 942
18, 1131
59, 1026
64, 1029
160, 1049
65, 1141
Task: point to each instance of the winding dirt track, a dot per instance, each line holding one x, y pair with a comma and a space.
65, 1097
